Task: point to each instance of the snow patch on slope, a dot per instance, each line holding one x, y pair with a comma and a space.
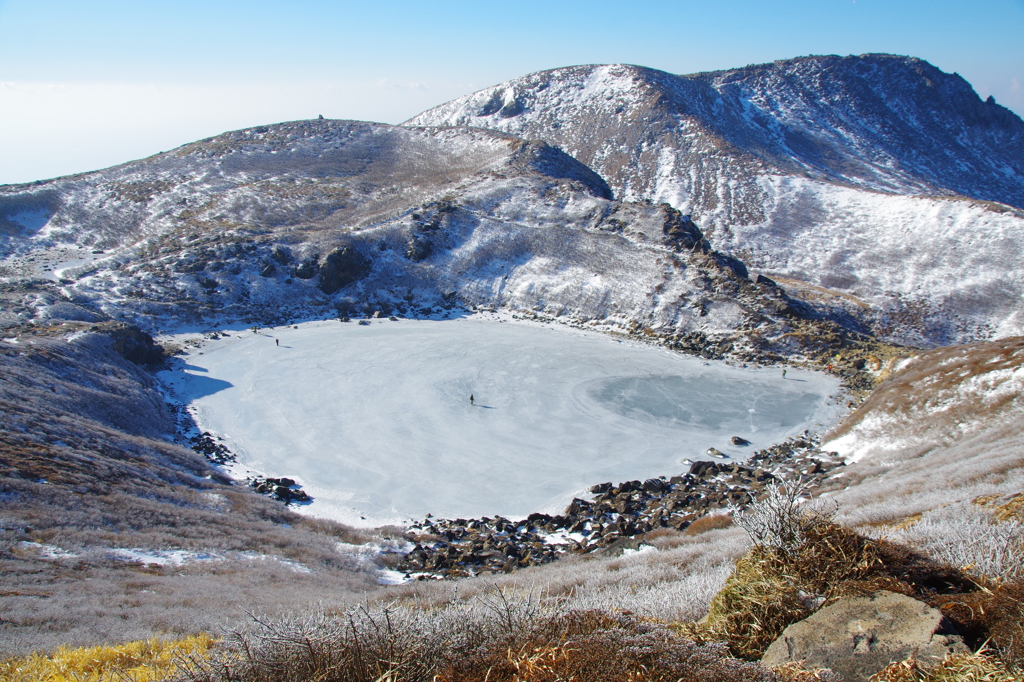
964, 261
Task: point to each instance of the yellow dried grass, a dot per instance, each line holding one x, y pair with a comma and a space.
954, 668
1012, 509
142, 661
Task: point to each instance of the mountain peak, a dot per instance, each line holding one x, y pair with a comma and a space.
884, 122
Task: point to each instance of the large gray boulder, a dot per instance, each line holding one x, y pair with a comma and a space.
858, 636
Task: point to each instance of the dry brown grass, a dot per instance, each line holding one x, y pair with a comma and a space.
1012, 509
955, 668
706, 523
795, 672
994, 615
400, 645
602, 647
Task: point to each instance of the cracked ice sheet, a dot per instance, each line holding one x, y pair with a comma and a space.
375, 420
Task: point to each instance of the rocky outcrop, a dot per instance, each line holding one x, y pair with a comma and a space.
214, 452
858, 636
431, 219
341, 267
307, 269
453, 548
681, 233
134, 345
284, 489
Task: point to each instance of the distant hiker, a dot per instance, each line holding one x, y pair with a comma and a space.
470, 398
278, 342
783, 374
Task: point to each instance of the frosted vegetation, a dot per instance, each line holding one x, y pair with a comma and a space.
938, 456
376, 421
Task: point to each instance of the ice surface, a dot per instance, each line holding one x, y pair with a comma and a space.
375, 420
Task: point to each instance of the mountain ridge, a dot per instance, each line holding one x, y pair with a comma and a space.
733, 107
329, 218
807, 169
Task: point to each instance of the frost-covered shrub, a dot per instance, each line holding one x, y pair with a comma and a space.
500, 635
781, 519
969, 537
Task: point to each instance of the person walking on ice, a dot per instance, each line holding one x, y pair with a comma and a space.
470, 398
278, 342
783, 374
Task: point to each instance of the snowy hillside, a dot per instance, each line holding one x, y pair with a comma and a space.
876, 121
328, 217
803, 167
944, 432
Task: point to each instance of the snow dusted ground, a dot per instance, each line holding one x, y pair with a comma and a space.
375, 420
953, 265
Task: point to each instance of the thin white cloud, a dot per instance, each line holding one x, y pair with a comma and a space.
389, 84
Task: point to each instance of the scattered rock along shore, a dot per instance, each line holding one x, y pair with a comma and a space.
615, 518
284, 489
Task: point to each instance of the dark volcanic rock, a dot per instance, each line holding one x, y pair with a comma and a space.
135, 345
282, 255
419, 247
284, 489
307, 269
214, 452
682, 233
341, 267
460, 547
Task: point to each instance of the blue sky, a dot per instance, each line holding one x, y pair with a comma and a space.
87, 84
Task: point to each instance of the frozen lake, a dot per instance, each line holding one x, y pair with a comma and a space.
375, 420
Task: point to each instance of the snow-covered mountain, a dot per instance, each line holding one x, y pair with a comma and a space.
870, 187
880, 177
322, 216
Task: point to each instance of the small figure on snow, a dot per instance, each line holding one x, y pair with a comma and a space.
783, 374
470, 398
278, 342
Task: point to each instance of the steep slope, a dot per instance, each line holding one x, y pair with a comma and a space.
936, 455
805, 168
108, 530
339, 217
